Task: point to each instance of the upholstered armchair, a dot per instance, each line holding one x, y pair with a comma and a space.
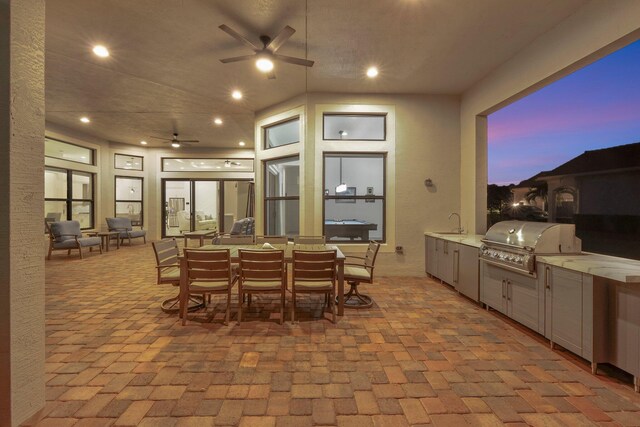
125, 229
66, 235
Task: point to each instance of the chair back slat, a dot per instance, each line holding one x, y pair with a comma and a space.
372, 253
166, 252
309, 240
233, 240
314, 265
278, 240
262, 265
208, 266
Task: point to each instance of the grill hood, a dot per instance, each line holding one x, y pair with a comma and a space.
535, 237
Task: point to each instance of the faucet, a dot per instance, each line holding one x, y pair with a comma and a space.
459, 229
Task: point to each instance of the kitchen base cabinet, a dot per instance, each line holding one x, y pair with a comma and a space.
466, 271
439, 258
431, 256
513, 294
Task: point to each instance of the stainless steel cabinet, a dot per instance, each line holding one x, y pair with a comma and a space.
431, 256
466, 271
513, 294
439, 258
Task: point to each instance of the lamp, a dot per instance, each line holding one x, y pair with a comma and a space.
342, 187
175, 145
227, 163
342, 133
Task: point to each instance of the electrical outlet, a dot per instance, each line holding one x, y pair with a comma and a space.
399, 250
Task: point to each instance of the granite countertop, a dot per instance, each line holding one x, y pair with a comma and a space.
474, 240
621, 269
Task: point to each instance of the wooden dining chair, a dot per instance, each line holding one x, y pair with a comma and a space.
261, 271
314, 272
209, 273
226, 239
309, 240
359, 270
274, 240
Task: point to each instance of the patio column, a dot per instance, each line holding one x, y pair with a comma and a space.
22, 350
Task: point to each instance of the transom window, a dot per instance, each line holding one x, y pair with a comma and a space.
283, 133
69, 152
362, 127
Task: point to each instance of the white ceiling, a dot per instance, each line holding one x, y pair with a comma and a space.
164, 73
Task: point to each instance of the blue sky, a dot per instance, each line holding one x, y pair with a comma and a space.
597, 106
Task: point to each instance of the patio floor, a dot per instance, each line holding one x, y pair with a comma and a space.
421, 355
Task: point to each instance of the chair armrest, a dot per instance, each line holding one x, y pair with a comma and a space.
167, 266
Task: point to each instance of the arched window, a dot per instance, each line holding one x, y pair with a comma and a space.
566, 204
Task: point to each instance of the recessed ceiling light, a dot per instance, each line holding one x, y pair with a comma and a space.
264, 64
217, 121
372, 72
236, 94
101, 51
143, 142
175, 145
84, 119
241, 143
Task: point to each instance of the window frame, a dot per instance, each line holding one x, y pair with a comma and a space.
280, 122
356, 197
266, 198
354, 114
141, 201
223, 170
69, 199
92, 151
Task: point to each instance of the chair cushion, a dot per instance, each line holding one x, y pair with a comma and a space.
208, 286
67, 244
65, 230
261, 286
119, 224
170, 273
138, 233
353, 272
89, 241
316, 286
237, 227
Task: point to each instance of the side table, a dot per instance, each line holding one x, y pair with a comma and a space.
105, 237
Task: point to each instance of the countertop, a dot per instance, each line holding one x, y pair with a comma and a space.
621, 269
474, 240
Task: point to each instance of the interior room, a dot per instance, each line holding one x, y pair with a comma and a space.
360, 123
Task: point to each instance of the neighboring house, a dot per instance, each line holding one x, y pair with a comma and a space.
531, 192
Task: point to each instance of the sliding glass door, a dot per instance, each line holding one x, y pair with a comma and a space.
198, 204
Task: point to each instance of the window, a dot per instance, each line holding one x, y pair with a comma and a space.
283, 133
206, 165
282, 196
362, 127
69, 196
128, 200
123, 161
354, 197
70, 152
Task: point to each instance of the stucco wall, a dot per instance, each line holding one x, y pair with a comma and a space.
597, 29
22, 351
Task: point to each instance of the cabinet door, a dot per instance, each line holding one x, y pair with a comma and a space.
467, 270
523, 300
492, 287
564, 294
445, 260
431, 256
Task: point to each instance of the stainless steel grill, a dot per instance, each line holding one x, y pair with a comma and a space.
515, 244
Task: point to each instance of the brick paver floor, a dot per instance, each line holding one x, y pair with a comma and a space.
421, 355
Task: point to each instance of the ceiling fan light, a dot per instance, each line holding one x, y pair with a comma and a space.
264, 64
175, 145
227, 163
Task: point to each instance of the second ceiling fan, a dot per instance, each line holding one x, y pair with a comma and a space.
266, 54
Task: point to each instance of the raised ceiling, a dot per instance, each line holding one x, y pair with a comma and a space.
164, 73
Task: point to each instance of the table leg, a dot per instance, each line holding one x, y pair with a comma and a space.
105, 242
186, 241
341, 288
184, 297
201, 240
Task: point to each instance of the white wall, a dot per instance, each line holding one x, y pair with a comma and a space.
595, 30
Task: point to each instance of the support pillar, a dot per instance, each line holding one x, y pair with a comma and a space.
22, 339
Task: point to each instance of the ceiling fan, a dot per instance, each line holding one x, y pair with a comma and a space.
266, 54
175, 142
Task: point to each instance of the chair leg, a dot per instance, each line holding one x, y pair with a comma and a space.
185, 310
282, 297
293, 304
50, 250
332, 304
240, 297
80, 250
100, 248
228, 307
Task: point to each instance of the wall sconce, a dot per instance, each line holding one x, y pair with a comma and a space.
428, 182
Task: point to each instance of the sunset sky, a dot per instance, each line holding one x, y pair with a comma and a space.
596, 107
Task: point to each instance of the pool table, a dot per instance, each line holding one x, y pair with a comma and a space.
349, 228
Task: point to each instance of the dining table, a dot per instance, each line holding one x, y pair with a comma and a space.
234, 252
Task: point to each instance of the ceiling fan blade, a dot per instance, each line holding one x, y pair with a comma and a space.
164, 139
271, 75
237, 58
292, 60
238, 37
279, 40
189, 141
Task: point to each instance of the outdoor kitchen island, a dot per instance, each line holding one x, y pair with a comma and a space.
587, 303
